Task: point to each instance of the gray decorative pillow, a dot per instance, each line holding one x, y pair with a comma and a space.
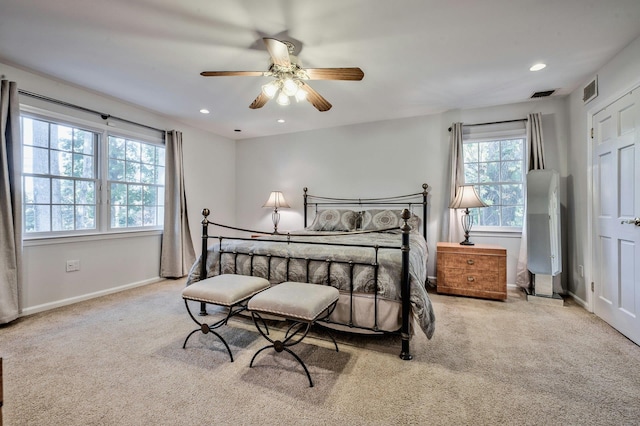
376, 220
334, 220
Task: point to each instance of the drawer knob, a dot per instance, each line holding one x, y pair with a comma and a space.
470, 262
471, 279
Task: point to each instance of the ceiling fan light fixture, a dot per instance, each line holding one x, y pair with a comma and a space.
289, 77
289, 86
282, 99
301, 95
270, 89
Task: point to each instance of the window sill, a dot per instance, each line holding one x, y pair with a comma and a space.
497, 232
65, 239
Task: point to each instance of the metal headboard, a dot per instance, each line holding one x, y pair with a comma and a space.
409, 200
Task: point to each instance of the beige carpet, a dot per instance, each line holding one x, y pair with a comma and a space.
118, 360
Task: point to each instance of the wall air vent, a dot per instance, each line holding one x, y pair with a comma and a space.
590, 90
542, 94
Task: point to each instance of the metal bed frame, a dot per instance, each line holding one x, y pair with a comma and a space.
408, 200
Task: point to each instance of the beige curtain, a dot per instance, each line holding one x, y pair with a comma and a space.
535, 161
453, 231
10, 203
177, 248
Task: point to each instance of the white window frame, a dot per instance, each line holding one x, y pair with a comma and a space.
493, 136
103, 228
106, 183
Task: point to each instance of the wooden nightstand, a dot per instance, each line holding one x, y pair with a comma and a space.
479, 270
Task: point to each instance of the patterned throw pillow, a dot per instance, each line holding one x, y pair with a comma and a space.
334, 220
375, 220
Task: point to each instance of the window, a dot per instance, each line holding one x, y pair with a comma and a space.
136, 183
59, 177
496, 168
73, 183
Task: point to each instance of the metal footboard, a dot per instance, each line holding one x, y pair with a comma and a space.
228, 263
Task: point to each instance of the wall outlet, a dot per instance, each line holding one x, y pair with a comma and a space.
73, 265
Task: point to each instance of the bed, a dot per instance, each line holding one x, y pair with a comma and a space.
370, 249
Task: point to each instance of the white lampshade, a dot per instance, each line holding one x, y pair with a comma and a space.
282, 99
276, 199
289, 87
466, 198
301, 95
270, 89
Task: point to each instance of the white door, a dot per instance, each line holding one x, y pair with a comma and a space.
616, 245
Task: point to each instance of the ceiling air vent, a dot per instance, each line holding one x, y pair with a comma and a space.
590, 90
542, 94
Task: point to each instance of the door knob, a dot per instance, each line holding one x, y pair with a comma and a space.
635, 221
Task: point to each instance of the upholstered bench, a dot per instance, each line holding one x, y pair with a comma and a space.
302, 303
230, 291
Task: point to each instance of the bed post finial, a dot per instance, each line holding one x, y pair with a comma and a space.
424, 188
405, 215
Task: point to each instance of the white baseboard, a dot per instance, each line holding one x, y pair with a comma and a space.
64, 302
579, 301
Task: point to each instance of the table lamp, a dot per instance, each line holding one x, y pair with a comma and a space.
276, 199
466, 197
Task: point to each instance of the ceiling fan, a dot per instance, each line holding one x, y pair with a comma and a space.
290, 77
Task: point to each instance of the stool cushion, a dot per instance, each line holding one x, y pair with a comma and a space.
225, 290
295, 300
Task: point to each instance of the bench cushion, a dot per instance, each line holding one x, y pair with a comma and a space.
225, 290
295, 300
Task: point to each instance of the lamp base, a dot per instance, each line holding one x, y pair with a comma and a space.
467, 222
466, 241
275, 217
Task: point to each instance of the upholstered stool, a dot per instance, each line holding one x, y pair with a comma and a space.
230, 291
302, 303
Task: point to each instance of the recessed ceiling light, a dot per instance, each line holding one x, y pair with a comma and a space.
204, 111
281, 120
537, 67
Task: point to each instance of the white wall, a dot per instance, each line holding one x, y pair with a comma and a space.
123, 261
376, 159
618, 76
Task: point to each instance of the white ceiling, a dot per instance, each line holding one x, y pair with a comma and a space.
419, 56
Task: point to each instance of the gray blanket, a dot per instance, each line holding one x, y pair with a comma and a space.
389, 260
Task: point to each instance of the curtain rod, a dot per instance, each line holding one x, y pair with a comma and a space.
493, 122
103, 115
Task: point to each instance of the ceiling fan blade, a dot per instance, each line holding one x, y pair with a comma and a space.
232, 73
316, 99
278, 50
334, 73
260, 101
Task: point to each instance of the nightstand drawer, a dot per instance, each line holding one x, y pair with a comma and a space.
471, 262
477, 280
